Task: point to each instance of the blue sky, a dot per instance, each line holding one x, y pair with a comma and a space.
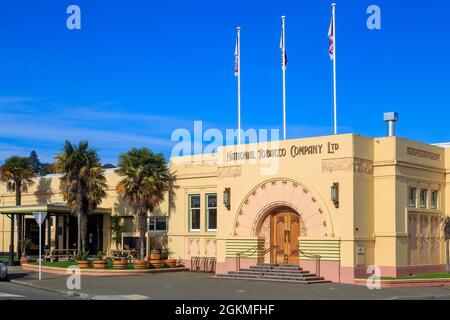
137, 70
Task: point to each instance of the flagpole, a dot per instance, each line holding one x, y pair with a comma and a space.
334, 67
239, 83
283, 55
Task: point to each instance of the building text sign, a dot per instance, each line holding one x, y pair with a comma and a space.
423, 154
294, 151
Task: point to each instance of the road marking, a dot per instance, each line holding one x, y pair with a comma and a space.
240, 291
121, 297
8, 295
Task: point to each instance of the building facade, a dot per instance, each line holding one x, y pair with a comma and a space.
350, 201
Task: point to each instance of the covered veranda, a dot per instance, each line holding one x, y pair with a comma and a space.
59, 227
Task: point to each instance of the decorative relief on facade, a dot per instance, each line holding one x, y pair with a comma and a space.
287, 193
204, 163
423, 154
302, 230
348, 164
363, 166
229, 172
193, 248
210, 247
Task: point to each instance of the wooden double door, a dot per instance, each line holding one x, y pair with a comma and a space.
284, 233
424, 239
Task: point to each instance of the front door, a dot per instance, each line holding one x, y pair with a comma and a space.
95, 233
285, 230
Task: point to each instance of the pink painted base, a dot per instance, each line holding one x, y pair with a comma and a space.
328, 269
331, 270
230, 264
101, 272
396, 272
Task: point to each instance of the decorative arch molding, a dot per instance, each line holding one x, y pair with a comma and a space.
283, 192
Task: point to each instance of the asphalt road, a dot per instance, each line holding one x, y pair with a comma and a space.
11, 291
198, 286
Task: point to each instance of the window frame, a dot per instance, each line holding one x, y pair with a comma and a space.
436, 204
414, 200
207, 207
158, 231
425, 198
190, 212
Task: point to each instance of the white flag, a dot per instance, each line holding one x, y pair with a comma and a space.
331, 39
284, 59
236, 57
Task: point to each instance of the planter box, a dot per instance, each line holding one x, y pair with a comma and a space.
100, 264
83, 264
155, 254
25, 260
156, 263
141, 265
171, 262
117, 264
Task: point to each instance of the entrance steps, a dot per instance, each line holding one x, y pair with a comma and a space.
274, 272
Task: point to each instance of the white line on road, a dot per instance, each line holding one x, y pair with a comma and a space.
121, 297
8, 295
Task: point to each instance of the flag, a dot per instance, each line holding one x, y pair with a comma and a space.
284, 59
236, 57
331, 39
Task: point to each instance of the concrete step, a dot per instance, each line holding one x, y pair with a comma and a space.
308, 281
284, 265
275, 270
277, 273
271, 276
276, 267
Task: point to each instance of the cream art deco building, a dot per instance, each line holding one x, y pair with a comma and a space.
351, 200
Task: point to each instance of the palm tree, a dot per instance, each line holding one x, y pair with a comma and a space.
83, 183
145, 181
17, 173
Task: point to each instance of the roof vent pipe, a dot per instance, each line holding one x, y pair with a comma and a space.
391, 118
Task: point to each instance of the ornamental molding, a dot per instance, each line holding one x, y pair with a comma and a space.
229, 172
358, 165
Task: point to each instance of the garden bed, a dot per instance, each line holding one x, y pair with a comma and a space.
423, 280
61, 268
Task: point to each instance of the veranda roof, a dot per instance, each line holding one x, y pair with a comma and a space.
52, 208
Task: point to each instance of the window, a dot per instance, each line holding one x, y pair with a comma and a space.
194, 212
412, 197
423, 198
133, 243
157, 224
434, 199
211, 212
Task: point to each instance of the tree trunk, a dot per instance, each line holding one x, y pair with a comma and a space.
19, 219
142, 232
84, 239
79, 218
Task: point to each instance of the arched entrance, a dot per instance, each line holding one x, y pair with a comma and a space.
284, 233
